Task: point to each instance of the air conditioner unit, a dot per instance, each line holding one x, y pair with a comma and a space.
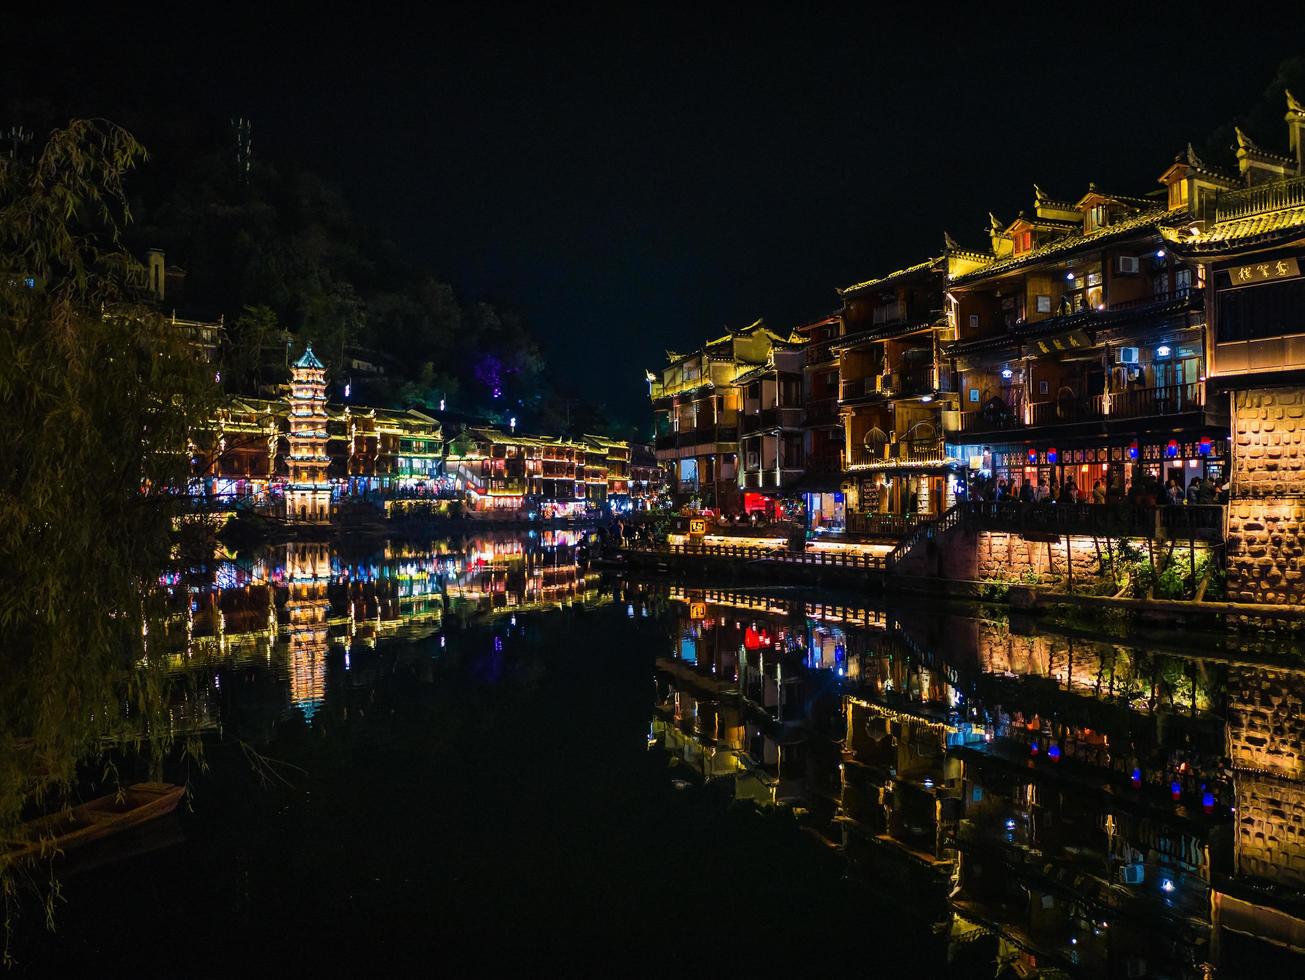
1128, 355
1128, 264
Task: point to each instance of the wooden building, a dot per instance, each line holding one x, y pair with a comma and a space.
697, 400
1248, 242
1079, 350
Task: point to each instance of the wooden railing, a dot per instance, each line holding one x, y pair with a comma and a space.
924, 529
1203, 521
913, 450
775, 556
1277, 196
881, 525
1128, 404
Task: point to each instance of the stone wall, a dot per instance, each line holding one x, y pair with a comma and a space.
1002, 555
1266, 517
1266, 744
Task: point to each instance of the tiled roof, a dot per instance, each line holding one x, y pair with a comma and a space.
1081, 320
1241, 234
1149, 221
890, 278
309, 360
885, 332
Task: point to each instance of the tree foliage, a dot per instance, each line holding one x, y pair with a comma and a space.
97, 397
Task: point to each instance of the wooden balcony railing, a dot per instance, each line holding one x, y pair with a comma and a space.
1129, 404
822, 411
914, 450
1277, 196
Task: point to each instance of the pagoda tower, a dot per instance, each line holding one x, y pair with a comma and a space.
307, 575
308, 497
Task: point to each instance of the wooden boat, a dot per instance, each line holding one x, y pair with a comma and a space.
94, 820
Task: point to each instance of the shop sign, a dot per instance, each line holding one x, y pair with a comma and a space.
1074, 340
1245, 275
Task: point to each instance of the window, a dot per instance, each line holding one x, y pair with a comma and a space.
1043, 304
754, 461
1256, 312
974, 394
1182, 279
1177, 193
974, 321
1044, 387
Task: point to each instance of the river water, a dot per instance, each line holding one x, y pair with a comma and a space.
482, 753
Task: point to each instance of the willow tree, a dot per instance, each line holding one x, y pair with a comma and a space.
98, 396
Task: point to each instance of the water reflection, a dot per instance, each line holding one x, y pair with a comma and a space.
290, 605
1044, 798
1059, 802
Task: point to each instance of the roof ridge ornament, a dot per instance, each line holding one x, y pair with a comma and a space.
1293, 104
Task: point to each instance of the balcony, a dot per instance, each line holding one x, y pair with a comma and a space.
1277, 196
769, 479
870, 385
912, 451
783, 416
821, 352
822, 411
1134, 403
701, 436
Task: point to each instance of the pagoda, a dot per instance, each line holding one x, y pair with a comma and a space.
308, 496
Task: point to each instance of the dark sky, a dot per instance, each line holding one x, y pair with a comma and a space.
636, 181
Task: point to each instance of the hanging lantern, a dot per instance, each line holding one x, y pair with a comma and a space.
1171, 449
1204, 446
1132, 449
1051, 455
1176, 790
1033, 456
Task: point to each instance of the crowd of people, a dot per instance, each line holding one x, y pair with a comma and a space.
1142, 489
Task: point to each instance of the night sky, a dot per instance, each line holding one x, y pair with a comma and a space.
635, 182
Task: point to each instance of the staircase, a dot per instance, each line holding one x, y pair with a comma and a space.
923, 531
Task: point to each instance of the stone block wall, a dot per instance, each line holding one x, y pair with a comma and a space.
1266, 743
1266, 517
1002, 555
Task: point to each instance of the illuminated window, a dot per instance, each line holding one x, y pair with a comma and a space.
1043, 304
1178, 193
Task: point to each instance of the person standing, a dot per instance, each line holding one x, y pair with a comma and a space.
1194, 491
1027, 495
1098, 493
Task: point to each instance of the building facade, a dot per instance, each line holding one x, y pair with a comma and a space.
1247, 238
697, 403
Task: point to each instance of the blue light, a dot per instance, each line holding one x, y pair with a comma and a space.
1167, 886
1010, 823
1053, 753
